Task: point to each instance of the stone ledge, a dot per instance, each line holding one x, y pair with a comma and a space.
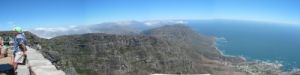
40, 65
34, 63
23, 70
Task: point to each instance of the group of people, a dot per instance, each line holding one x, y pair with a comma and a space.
11, 57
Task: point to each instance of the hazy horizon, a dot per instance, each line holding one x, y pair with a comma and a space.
32, 14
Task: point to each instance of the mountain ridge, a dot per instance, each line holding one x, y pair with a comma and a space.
166, 49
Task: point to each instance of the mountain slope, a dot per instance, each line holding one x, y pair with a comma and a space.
167, 49
186, 38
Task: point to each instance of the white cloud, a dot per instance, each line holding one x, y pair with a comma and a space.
181, 22
163, 22
125, 22
151, 23
51, 29
121, 27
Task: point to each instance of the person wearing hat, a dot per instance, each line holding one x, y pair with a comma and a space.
19, 49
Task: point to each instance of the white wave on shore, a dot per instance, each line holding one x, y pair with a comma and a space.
254, 66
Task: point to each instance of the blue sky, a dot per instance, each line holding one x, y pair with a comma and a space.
30, 14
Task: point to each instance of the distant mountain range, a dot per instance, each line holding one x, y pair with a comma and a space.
121, 27
128, 27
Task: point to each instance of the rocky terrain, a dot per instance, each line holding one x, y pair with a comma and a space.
168, 49
171, 49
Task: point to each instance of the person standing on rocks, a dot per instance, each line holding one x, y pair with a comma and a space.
19, 46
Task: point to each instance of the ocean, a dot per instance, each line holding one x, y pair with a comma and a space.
271, 42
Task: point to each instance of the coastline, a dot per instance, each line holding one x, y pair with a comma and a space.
222, 53
259, 67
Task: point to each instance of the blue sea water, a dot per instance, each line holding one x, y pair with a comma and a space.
254, 40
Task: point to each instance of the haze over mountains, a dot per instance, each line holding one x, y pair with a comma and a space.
121, 27
133, 27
